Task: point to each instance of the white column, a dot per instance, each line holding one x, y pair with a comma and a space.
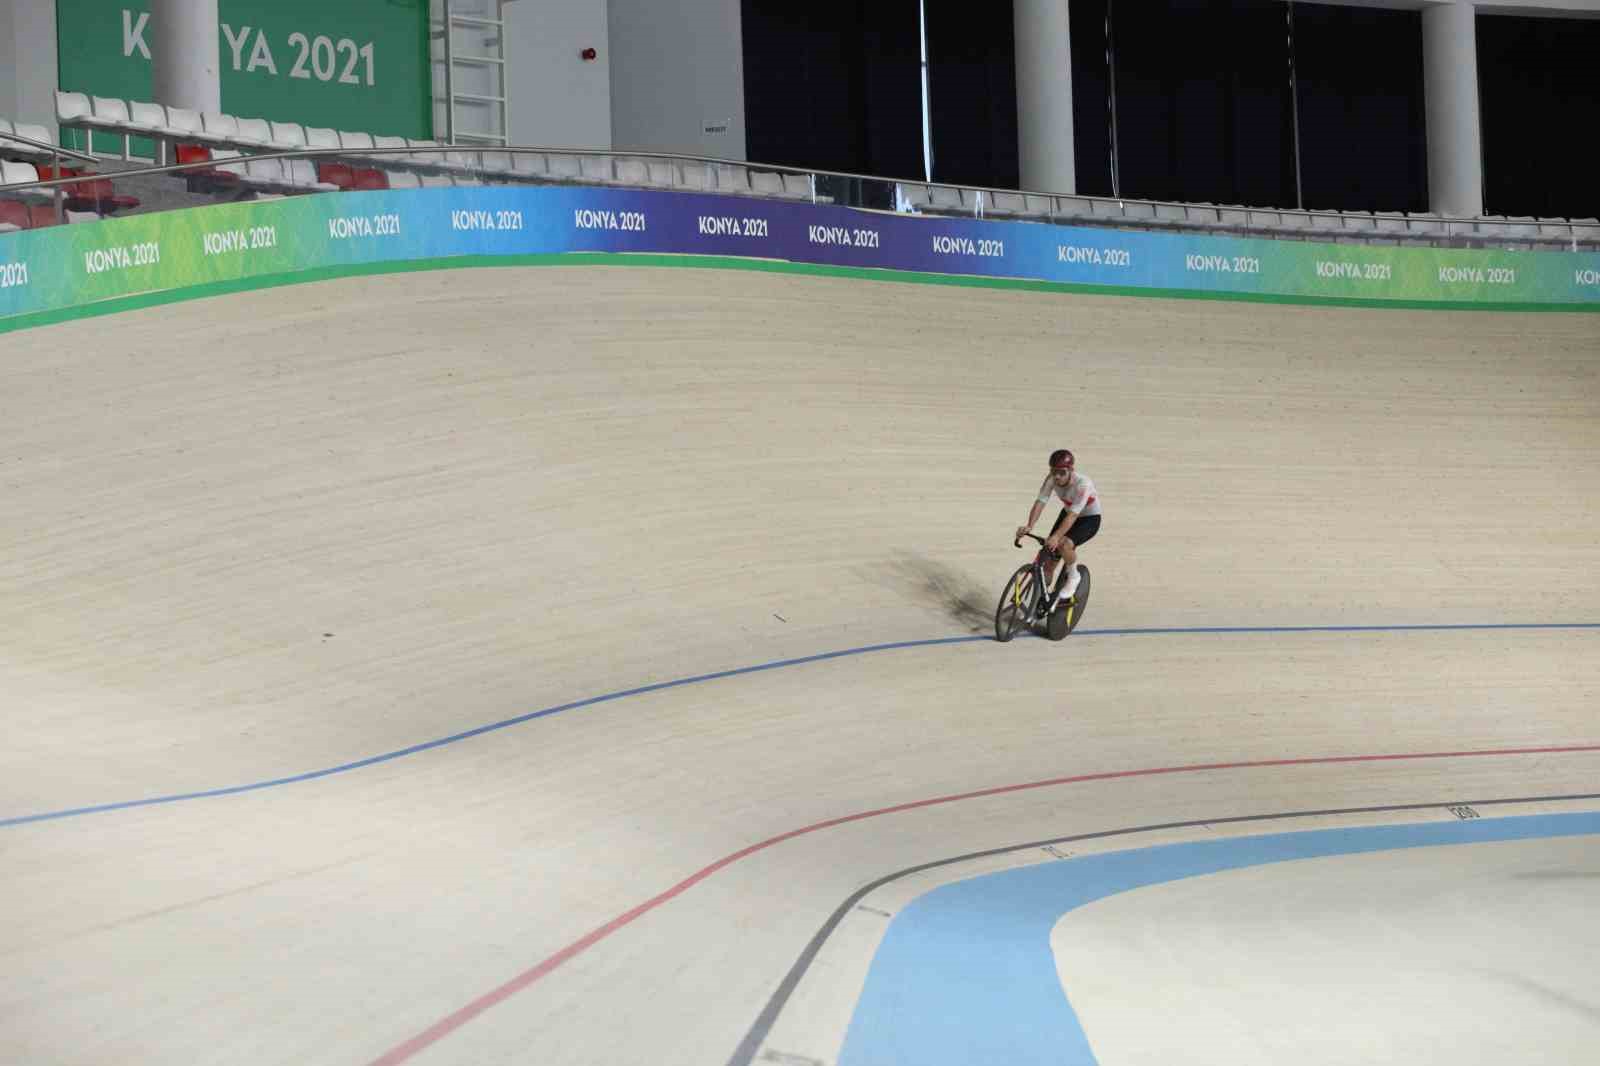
186, 54
1044, 95
1450, 77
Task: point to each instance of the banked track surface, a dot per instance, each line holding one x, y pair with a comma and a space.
254, 536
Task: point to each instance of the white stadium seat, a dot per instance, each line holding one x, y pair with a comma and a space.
151, 118
565, 166
287, 134
528, 163
72, 107
219, 126
255, 131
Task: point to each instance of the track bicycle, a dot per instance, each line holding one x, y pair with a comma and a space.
1026, 602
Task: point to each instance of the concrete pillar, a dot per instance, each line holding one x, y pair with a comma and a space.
1044, 96
1450, 78
186, 54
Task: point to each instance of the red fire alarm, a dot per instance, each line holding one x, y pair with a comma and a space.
588, 54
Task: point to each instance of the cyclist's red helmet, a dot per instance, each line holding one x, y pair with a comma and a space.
1061, 459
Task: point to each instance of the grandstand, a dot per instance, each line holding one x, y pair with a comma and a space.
499, 563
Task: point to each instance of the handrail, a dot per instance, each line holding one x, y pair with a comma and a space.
55, 149
366, 152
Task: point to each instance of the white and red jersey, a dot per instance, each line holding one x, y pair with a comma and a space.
1077, 494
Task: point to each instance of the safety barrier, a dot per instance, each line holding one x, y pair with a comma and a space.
65, 270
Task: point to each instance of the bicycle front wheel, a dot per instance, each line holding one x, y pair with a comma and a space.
1017, 604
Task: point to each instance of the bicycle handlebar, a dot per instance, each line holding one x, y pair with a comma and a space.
1018, 542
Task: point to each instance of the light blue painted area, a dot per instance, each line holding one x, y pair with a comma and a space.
965, 973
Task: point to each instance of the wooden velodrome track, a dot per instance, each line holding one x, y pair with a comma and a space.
252, 538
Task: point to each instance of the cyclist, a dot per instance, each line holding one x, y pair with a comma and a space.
1078, 522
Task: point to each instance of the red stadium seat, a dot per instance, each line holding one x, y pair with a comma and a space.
15, 214
368, 180
340, 174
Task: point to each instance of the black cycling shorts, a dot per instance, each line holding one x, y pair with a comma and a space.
1082, 531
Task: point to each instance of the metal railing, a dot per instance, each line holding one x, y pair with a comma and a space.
481, 165
57, 153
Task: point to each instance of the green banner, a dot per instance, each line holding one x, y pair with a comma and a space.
355, 65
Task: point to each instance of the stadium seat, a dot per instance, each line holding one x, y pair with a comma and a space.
798, 186
303, 174
565, 167
357, 144
1358, 224
730, 178
14, 216
269, 172
368, 179
110, 112
910, 196
321, 137
287, 134
436, 181
1233, 217
1202, 216
1265, 220
255, 132
218, 126
1003, 204
391, 159
402, 179
596, 168
185, 122
41, 215
1586, 229
529, 163
73, 108
945, 198
342, 175
148, 118
663, 173
1389, 225
1294, 221
1172, 214
12, 173
235, 170
1071, 207
766, 183
1105, 208
633, 172
696, 176
494, 163
436, 159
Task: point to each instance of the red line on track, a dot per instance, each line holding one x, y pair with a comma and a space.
450, 1023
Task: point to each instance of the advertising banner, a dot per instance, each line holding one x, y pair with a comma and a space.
356, 65
68, 266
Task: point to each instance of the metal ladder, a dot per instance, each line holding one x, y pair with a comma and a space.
475, 105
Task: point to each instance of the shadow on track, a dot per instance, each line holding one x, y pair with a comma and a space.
940, 585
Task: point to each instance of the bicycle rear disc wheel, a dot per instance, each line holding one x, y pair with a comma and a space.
1064, 619
1016, 604
1082, 596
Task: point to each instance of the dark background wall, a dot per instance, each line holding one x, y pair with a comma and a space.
972, 77
1363, 128
1539, 93
1204, 107
834, 84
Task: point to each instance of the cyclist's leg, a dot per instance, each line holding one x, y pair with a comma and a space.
1050, 560
1082, 531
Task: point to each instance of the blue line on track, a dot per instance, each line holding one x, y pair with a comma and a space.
74, 812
